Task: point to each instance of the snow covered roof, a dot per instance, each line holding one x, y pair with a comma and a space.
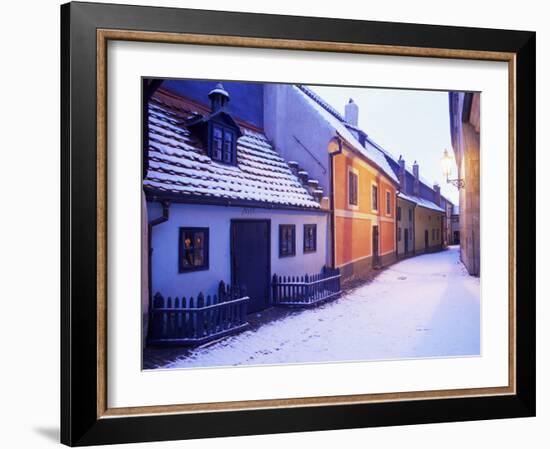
408, 167
179, 166
422, 202
339, 125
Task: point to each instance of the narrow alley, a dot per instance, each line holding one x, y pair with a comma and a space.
425, 306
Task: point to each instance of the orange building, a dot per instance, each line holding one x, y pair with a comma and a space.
364, 211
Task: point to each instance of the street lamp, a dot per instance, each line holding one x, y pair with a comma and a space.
446, 162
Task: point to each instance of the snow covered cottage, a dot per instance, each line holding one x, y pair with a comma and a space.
222, 203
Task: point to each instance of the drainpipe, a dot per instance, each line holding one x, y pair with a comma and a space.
332, 207
163, 218
396, 236
396, 226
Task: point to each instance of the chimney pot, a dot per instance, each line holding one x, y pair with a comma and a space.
218, 98
402, 175
351, 113
416, 173
437, 194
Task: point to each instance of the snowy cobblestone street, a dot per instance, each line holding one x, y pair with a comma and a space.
426, 306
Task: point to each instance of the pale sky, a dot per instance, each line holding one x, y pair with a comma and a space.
412, 123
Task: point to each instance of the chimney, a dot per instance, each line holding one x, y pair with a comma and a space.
437, 194
351, 113
416, 179
402, 175
218, 98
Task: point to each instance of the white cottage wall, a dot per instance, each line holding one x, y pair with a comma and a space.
166, 277
297, 132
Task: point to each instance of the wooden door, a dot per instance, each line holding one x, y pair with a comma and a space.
250, 260
406, 237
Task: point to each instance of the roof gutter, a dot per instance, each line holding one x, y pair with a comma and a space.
163, 218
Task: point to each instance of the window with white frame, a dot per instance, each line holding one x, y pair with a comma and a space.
353, 188
374, 197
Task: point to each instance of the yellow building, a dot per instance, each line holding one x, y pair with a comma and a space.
428, 229
405, 227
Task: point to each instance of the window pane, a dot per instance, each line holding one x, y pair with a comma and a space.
188, 249
199, 239
228, 146
310, 237
198, 257
194, 249
217, 143
352, 188
287, 240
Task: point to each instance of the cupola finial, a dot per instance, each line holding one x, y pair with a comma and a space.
218, 97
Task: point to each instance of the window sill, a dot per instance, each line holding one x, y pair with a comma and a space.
191, 270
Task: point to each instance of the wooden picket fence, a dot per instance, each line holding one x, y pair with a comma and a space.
191, 322
308, 290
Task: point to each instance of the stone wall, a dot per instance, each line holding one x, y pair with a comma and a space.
465, 132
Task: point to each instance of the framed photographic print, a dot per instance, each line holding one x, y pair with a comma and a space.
277, 224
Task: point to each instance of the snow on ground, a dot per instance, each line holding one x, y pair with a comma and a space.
426, 306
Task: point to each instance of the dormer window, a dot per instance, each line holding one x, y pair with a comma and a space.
218, 130
222, 144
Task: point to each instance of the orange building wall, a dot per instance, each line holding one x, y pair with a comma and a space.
387, 244
353, 232
350, 230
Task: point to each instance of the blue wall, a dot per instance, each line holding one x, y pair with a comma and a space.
246, 99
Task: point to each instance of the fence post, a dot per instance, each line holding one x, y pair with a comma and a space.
275, 296
200, 315
221, 291
243, 306
192, 318
185, 319
156, 325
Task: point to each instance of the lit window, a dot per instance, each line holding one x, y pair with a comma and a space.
310, 238
287, 240
193, 249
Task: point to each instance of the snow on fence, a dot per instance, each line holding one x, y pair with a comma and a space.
191, 322
308, 290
